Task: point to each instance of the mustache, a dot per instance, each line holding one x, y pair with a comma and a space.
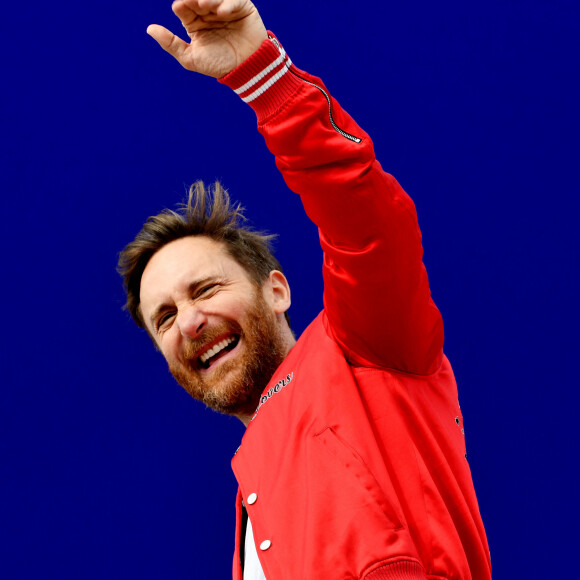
194, 345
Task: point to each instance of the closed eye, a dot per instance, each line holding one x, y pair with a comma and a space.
164, 319
207, 289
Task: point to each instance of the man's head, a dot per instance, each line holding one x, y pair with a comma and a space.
213, 298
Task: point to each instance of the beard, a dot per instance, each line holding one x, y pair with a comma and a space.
235, 386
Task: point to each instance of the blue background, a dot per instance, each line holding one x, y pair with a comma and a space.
108, 469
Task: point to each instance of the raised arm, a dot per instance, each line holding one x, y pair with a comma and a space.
377, 300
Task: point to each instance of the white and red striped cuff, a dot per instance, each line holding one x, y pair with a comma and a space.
262, 80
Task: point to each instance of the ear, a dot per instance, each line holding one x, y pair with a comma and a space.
277, 292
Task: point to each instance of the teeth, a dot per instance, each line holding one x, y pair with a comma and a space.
216, 348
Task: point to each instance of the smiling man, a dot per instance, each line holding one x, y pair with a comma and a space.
353, 464
222, 332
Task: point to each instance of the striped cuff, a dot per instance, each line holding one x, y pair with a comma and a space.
264, 80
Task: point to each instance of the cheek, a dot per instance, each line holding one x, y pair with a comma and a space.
230, 307
169, 348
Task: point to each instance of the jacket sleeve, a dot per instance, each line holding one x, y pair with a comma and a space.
376, 292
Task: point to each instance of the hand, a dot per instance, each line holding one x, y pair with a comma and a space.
223, 34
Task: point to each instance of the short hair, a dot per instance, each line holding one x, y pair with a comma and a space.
208, 212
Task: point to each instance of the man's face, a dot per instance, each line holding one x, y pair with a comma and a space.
220, 336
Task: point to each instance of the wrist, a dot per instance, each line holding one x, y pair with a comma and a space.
264, 80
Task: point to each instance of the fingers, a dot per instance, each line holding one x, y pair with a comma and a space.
167, 40
189, 10
196, 15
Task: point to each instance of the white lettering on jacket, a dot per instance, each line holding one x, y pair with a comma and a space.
272, 391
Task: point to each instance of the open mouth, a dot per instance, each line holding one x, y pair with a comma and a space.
209, 357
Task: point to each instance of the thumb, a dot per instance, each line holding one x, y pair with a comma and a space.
167, 40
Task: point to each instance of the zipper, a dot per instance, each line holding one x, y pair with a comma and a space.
331, 118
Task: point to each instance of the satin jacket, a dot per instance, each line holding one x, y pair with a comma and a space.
354, 464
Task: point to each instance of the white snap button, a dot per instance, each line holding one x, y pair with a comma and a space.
265, 545
252, 498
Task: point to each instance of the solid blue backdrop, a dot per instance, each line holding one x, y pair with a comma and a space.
109, 470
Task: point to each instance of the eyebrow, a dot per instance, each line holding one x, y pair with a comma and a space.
191, 289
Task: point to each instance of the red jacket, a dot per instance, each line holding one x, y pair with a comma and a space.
354, 465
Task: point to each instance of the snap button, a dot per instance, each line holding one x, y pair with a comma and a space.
265, 545
252, 498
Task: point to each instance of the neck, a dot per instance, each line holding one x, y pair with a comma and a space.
289, 342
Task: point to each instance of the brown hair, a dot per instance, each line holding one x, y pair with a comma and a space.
208, 212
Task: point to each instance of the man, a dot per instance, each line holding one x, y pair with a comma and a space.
353, 463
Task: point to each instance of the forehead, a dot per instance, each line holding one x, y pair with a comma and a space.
177, 265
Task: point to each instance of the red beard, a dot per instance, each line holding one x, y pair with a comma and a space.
234, 387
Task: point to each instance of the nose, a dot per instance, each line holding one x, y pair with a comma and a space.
191, 321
